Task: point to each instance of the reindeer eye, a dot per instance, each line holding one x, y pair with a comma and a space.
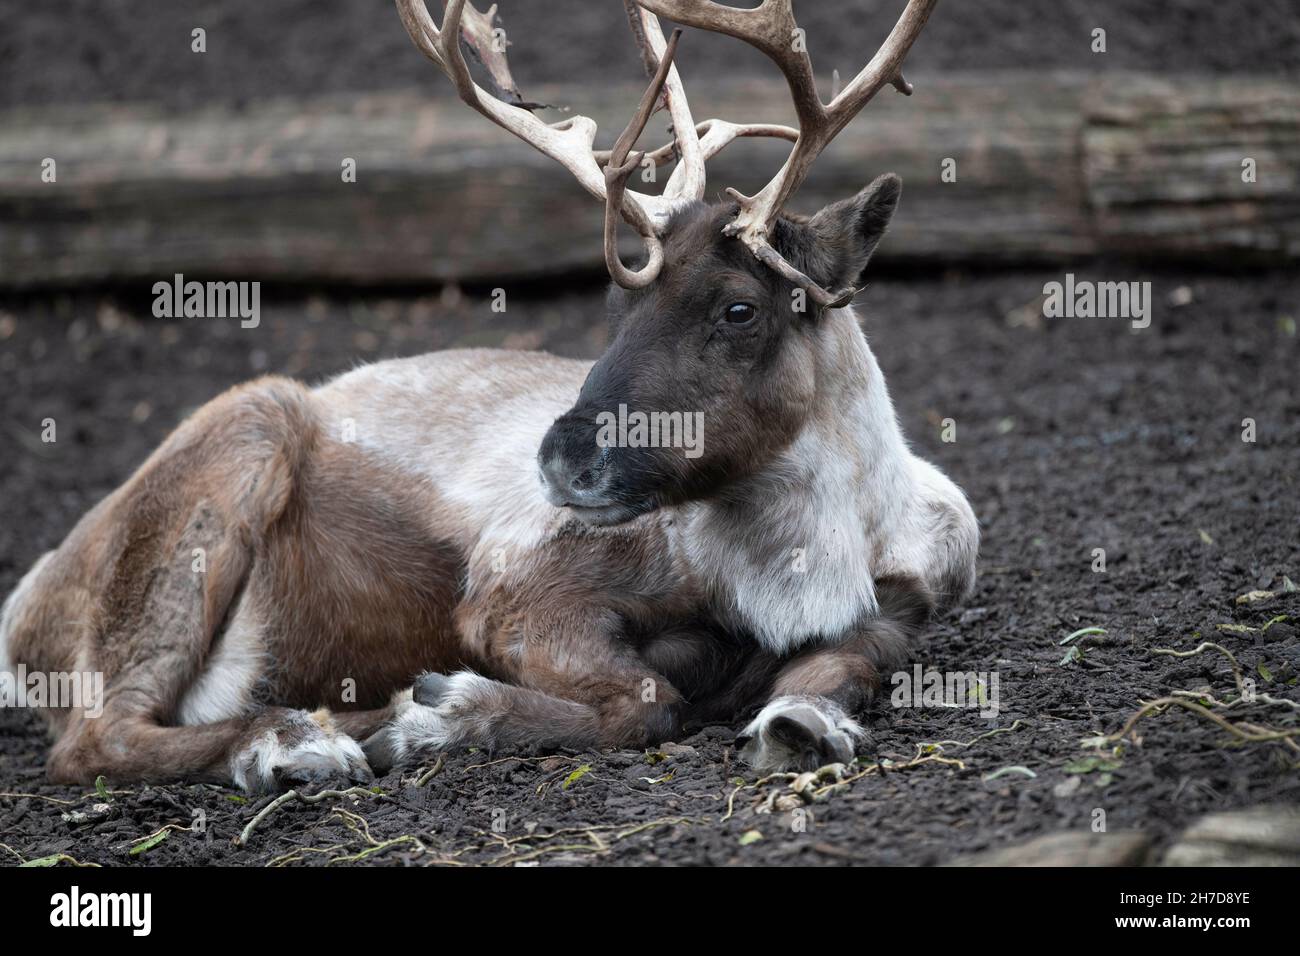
740, 313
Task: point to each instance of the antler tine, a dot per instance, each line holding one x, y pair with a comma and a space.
688, 178
622, 161
770, 27
569, 142
714, 136
885, 67
428, 37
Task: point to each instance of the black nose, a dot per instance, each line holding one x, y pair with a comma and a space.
574, 468
567, 483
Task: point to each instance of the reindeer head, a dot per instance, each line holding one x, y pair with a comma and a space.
718, 355
720, 323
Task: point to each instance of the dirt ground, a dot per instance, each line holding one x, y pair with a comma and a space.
1071, 435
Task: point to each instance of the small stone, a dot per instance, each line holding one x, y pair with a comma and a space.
1068, 787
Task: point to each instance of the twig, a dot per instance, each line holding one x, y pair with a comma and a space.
542, 759
359, 826
57, 858
878, 768
137, 841
62, 803
430, 773
542, 851
1003, 771
731, 804
379, 847
731, 800
1200, 711
1204, 646
595, 844
285, 797
1236, 673
992, 733
295, 855
37, 796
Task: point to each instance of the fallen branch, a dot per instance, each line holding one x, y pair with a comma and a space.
430, 773
595, 844
1165, 702
1236, 673
916, 761
992, 733
55, 859
37, 796
358, 824
285, 797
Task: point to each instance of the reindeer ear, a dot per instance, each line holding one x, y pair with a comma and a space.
847, 232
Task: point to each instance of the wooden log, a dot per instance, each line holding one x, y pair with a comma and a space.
1049, 169
1208, 171
1257, 836
1068, 848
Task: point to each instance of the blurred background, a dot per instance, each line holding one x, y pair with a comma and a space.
228, 162
72, 51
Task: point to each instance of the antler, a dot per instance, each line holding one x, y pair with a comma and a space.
604, 174
621, 164
771, 28
569, 141
687, 180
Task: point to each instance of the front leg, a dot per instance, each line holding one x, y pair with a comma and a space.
573, 683
796, 732
807, 722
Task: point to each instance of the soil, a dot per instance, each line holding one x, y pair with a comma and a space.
1071, 435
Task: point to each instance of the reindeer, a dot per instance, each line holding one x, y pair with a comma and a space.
446, 536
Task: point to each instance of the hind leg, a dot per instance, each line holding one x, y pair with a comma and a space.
142, 588
274, 749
